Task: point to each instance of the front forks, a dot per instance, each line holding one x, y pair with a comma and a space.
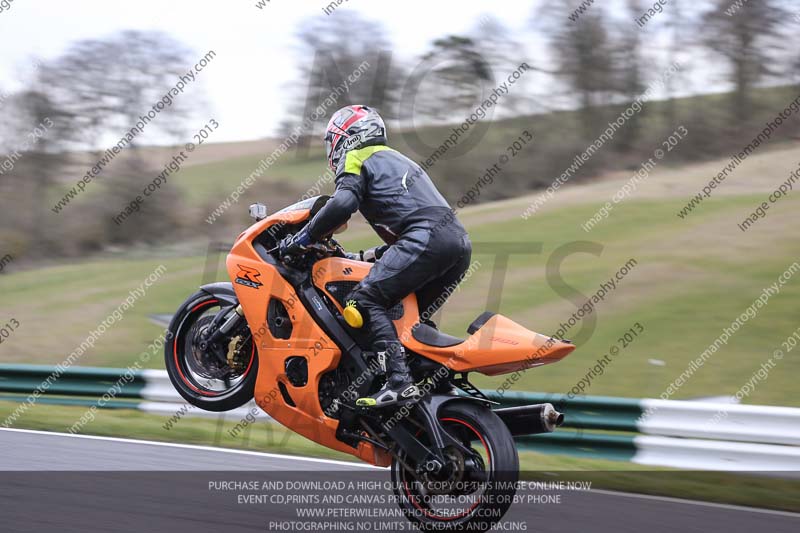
223, 324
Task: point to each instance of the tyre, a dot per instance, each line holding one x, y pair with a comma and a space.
197, 374
469, 500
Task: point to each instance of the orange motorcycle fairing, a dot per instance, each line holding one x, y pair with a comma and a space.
256, 283
500, 346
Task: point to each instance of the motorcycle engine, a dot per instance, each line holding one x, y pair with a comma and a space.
334, 387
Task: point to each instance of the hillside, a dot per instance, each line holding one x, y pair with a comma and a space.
692, 278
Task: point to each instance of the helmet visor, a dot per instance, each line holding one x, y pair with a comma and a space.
329, 150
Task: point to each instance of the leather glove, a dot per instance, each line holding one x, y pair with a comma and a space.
373, 254
294, 244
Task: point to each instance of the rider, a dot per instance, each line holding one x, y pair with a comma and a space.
427, 249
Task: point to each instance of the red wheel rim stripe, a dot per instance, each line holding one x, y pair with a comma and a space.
468, 511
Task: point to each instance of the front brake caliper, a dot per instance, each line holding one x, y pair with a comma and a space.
233, 346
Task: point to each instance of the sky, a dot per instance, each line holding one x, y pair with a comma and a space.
245, 86
252, 81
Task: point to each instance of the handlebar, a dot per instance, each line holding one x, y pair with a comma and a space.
319, 247
322, 249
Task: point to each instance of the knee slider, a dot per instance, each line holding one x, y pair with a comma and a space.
354, 314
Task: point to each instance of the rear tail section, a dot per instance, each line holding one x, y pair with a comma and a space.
497, 345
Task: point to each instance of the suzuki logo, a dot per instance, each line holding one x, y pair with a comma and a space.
248, 277
347, 271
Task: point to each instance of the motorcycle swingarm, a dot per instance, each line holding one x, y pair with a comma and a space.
404, 433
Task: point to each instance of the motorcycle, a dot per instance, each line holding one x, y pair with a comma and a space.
283, 332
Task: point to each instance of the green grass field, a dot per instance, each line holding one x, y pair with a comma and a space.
693, 277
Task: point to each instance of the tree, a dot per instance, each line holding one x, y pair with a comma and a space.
584, 52
676, 23
747, 41
504, 53
627, 75
92, 95
103, 86
451, 78
327, 57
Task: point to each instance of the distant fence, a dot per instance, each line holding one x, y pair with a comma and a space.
681, 434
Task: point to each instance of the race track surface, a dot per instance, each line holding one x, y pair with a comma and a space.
56, 482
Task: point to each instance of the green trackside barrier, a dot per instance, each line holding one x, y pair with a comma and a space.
73, 381
595, 426
85, 385
579, 444
589, 412
70, 401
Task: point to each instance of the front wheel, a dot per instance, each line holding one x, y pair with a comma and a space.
216, 377
478, 489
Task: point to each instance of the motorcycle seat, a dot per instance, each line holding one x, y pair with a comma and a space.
479, 322
425, 334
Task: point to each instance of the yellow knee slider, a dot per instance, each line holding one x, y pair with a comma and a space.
353, 316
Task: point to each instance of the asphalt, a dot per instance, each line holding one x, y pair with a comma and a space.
47, 452
56, 482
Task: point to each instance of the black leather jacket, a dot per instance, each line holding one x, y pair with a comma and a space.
392, 192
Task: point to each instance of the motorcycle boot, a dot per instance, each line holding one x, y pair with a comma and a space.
399, 386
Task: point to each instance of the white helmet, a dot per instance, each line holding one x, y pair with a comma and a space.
350, 128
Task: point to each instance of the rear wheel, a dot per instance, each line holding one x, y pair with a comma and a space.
216, 377
479, 487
